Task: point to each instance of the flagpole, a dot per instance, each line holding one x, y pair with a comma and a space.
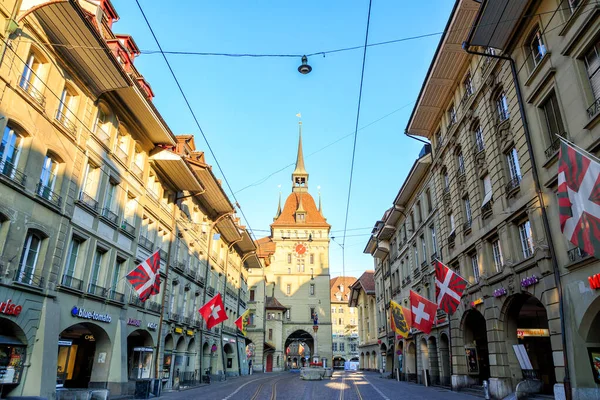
593, 157
450, 347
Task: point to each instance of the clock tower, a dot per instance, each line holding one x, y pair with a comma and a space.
295, 276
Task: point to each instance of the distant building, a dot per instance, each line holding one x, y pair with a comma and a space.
344, 322
362, 296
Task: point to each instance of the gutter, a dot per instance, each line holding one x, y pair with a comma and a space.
557, 280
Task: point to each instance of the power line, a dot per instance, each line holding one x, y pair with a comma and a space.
193, 115
362, 77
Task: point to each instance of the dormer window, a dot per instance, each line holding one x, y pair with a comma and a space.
300, 217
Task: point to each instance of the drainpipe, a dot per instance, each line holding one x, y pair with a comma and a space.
557, 280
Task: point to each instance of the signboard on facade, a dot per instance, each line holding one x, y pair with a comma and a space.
525, 332
10, 308
152, 326
178, 330
82, 313
189, 333
134, 322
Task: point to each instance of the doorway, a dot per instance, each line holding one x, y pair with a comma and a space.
269, 366
476, 347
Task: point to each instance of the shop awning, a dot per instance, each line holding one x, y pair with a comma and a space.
228, 228
79, 42
176, 169
496, 22
11, 341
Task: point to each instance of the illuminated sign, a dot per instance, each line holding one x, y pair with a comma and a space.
178, 330
529, 281
134, 322
152, 326
594, 281
523, 332
82, 313
500, 292
476, 302
189, 333
9, 308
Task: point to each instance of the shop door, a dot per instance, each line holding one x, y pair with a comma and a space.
269, 363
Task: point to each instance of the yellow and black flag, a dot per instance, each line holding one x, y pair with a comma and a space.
242, 322
398, 319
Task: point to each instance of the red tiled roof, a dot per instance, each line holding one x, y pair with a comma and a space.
367, 281
313, 216
334, 288
265, 247
273, 304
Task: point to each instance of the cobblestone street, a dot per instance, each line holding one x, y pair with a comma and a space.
289, 386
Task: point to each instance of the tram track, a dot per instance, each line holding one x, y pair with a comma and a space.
259, 389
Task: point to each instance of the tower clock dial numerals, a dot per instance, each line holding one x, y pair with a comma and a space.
300, 249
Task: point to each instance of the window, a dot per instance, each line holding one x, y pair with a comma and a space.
475, 266
311, 290
31, 75
335, 346
289, 258
537, 49
270, 334
251, 319
526, 239
419, 214
592, 63
460, 161
288, 289
96, 266
416, 252
433, 239
116, 277
10, 149
287, 314
342, 346
451, 221
479, 143
514, 169
312, 258
340, 321
438, 138
497, 252
451, 115
502, 107
130, 208
101, 126
554, 123
251, 294
424, 248
72, 259
487, 189
412, 221
333, 310
289, 270
122, 147
91, 181
468, 84
66, 106
48, 178
341, 310
468, 215
446, 181
313, 314
429, 202
111, 193
29, 258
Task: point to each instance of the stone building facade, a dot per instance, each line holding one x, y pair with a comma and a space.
344, 322
362, 297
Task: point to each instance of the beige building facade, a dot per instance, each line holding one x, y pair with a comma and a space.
362, 297
93, 182
344, 322
294, 327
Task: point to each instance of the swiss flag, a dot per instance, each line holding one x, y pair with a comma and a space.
422, 312
213, 311
579, 198
449, 288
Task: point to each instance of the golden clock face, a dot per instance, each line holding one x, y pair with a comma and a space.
300, 249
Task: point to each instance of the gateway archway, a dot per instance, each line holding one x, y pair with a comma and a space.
476, 346
140, 349
338, 362
13, 350
84, 352
445, 378
298, 349
434, 368
230, 359
527, 325
410, 363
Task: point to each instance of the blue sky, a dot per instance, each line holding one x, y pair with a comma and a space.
247, 106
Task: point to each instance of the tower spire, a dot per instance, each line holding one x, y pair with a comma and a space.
299, 176
320, 207
278, 213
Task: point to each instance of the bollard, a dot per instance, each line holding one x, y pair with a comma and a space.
486, 390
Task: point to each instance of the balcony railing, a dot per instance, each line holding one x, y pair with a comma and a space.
434, 256
451, 239
96, 290
62, 119
71, 282
27, 276
88, 201
102, 136
230, 330
137, 171
121, 155
424, 265
187, 321
513, 184
467, 226
593, 110
196, 323
146, 243
175, 317
116, 296
486, 209
416, 274
210, 291
180, 266
152, 195
32, 91
110, 216
9, 170
153, 306
127, 228
242, 303
553, 148
134, 299
47, 193
468, 93
577, 254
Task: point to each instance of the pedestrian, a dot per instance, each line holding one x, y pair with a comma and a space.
250, 367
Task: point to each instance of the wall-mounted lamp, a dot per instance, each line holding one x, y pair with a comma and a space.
310, 237
312, 278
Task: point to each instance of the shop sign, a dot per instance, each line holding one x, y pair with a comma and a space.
152, 326
65, 342
82, 313
178, 330
594, 281
522, 332
529, 281
144, 349
476, 302
189, 333
500, 292
9, 308
134, 322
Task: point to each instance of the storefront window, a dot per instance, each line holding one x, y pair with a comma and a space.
167, 366
141, 363
11, 363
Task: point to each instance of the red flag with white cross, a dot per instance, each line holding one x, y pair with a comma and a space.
213, 311
422, 312
579, 198
449, 288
